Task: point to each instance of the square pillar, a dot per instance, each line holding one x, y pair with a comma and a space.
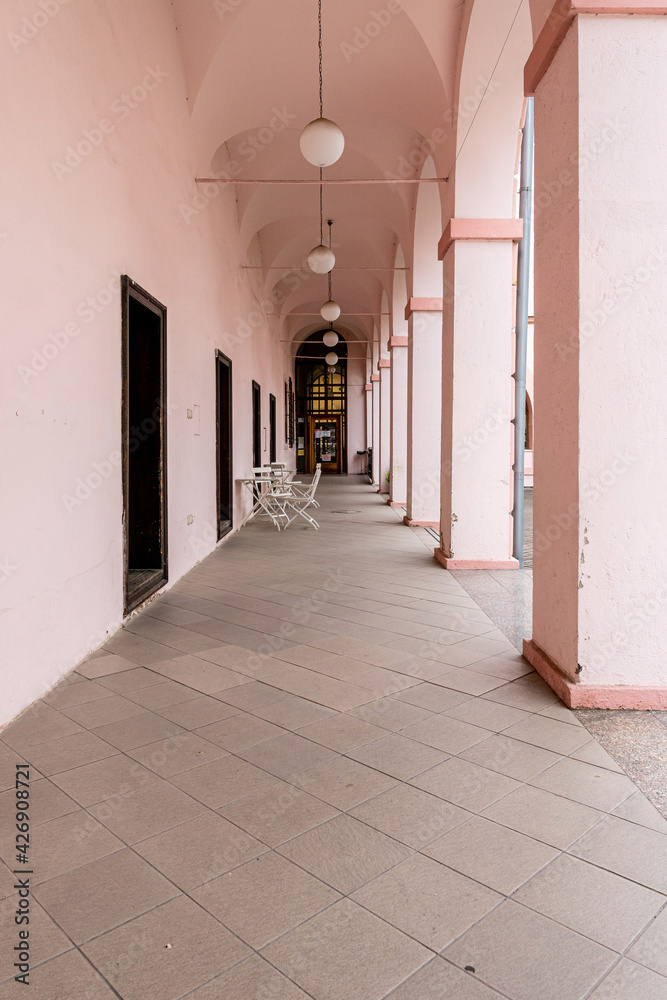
384, 371
600, 514
478, 319
375, 382
368, 390
398, 473
424, 318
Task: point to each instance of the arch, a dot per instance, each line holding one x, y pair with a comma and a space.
426, 267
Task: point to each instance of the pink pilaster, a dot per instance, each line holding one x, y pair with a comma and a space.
424, 316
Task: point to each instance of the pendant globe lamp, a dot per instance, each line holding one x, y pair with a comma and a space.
330, 338
331, 358
322, 142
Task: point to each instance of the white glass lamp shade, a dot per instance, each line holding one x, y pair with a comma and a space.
330, 339
331, 358
331, 369
330, 311
322, 142
321, 259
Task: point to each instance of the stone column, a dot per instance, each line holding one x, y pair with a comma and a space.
478, 318
398, 478
375, 381
384, 371
600, 528
424, 316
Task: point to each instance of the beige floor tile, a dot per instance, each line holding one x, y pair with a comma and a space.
518, 760
102, 666
198, 673
628, 980
593, 786
344, 853
39, 724
630, 850
69, 977
549, 734
562, 714
143, 812
177, 753
239, 731
198, 712
491, 854
278, 813
45, 941
390, 714
593, 753
346, 952
383, 682
651, 948
135, 960
487, 714
520, 953
66, 752
252, 979
638, 809
571, 891
73, 690
126, 734
528, 693
432, 697
47, 802
343, 783
398, 756
162, 695
544, 816
294, 713
468, 681
430, 902
465, 784
287, 755
445, 733
441, 981
342, 732
251, 695
95, 898
103, 778
410, 815
501, 666
99, 713
221, 781
199, 851
65, 843
130, 680
265, 898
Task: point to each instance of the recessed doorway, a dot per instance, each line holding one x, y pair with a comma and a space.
272, 428
144, 367
224, 443
256, 425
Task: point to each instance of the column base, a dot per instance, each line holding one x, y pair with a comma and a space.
397, 503
448, 563
575, 695
420, 524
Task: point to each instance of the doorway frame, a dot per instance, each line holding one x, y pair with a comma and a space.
224, 527
256, 425
131, 290
334, 418
273, 416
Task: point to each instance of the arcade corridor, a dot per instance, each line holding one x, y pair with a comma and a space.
315, 770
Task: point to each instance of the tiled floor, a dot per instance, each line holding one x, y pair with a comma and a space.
316, 769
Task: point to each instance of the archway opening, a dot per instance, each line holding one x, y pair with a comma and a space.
321, 404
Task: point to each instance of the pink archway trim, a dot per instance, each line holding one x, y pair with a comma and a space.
375, 378
422, 305
576, 695
449, 563
368, 387
558, 24
479, 229
384, 363
420, 524
398, 342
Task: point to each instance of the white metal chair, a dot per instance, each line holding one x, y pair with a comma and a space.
298, 503
300, 489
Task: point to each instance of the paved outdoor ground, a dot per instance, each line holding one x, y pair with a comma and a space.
315, 768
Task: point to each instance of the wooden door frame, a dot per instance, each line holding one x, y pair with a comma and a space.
131, 290
256, 425
222, 359
334, 418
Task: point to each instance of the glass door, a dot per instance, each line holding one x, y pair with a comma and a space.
325, 443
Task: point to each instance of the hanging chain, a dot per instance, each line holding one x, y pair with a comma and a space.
319, 24
321, 214
329, 224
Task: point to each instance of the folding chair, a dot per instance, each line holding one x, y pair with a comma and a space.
300, 489
299, 503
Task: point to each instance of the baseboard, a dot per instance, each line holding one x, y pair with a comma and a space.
577, 695
420, 524
474, 563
